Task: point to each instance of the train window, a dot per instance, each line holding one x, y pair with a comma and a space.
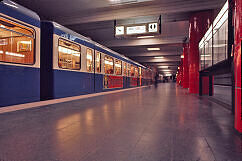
125, 69
98, 62
118, 67
136, 73
16, 42
132, 71
89, 60
108, 65
140, 72
143, 73
129, 70
69, 55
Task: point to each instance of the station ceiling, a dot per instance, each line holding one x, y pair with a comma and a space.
96, 19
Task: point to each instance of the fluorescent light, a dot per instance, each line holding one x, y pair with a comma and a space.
1, 52
76, 55
182, 56
15, 54
68, 51
159, 57
11, 5
163, 67
89, 57
118, 65
168, 75
57, 26
219, 45
26, 42
108, 62
144, 37
122, 2
178, 67
153, 49
166, 70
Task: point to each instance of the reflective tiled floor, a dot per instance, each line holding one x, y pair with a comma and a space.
162, 124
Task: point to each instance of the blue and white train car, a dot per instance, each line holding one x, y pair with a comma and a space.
19, 54
64, 72
117, 71
62, 63
72, 65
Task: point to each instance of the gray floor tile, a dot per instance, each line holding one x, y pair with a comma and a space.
149, 124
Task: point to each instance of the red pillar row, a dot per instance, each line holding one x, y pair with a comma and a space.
188, 77
237, 64
185, 79
199, 24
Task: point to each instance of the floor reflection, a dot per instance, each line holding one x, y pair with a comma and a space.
148, 124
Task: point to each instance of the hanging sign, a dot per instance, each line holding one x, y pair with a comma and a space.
153, 27
119, 30
136, 29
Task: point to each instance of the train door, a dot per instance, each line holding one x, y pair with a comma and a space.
140, 77
98, 77
124, 75
90, 68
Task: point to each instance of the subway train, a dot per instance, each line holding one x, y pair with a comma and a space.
42, 60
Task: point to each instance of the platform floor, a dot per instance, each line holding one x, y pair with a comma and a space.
148, 124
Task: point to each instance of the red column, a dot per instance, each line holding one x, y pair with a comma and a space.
205, 87
181, 68
199, 24
181, 72
185, 67
237, 64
